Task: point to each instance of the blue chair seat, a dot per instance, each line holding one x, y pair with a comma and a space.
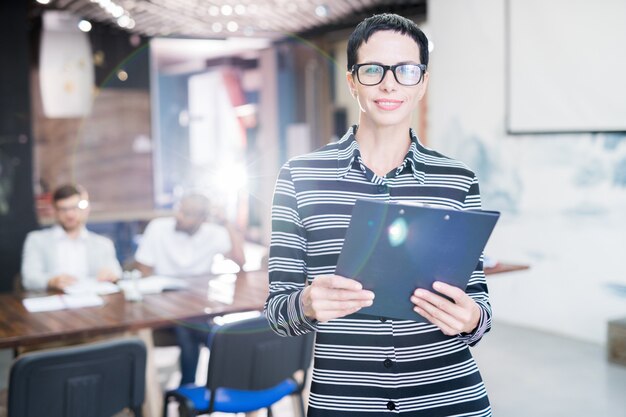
250, 368
229, 400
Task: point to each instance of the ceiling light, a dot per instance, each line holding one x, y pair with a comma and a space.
227, 10
84, 25
43, 1
217, 27
321, 10
232, 26
122, 75
240, 9
123, 21
214, 11
117, 11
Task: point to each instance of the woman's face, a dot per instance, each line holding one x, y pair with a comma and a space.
388, 103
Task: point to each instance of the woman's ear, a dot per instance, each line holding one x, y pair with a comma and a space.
351, 84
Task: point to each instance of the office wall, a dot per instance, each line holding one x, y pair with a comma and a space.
562, 197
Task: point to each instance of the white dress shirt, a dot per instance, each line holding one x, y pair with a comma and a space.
71, 254
172, 252
50, 252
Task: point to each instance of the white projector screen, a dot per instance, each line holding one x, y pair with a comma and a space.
566, 66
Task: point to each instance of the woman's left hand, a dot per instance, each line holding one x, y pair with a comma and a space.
460, 316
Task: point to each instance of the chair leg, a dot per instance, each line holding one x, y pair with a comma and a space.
269, 412
301, 404
165, 406
137, 411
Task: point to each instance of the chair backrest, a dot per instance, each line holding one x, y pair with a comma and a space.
248, 355
92, 380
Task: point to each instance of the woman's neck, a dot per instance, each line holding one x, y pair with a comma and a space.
383, 150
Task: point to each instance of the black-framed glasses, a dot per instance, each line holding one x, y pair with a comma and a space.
373, 74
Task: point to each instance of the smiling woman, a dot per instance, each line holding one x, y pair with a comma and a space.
386, 103
366, 364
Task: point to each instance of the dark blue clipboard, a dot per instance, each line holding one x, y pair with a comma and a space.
392, 249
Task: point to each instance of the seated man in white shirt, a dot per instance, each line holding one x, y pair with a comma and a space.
185, 245
67, 253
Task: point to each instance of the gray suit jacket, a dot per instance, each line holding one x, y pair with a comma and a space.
39, 257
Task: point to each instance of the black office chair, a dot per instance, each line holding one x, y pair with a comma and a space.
93, 380
250, 368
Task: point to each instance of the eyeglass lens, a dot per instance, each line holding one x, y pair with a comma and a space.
406, 74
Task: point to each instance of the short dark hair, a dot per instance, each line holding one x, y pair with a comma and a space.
66, 191
200, 199
386, 21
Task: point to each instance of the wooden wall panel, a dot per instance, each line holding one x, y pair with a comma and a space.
98, 152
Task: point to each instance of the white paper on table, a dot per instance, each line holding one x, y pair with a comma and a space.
92, 287
155, 284
82, 300
61, 302
50, 303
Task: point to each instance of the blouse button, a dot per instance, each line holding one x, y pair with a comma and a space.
391, 406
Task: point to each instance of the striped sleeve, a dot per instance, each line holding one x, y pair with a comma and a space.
477, 286
287, 262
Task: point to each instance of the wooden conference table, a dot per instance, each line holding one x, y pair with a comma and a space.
205, 297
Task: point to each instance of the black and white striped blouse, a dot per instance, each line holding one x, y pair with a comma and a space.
364, 365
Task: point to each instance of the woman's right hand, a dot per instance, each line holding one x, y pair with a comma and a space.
333, 296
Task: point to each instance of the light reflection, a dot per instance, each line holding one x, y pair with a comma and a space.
222, 288
233, 317
397, 232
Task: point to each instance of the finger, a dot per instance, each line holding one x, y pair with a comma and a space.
341, 311
328, 305
438, 301
447, 330
337, 281
62, 283
323, 293
457, 294
450, 319
335, 314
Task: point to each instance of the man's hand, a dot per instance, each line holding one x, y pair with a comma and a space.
105, 274
61, 281
333, 296
460, 316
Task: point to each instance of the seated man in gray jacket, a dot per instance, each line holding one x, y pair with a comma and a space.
67, 253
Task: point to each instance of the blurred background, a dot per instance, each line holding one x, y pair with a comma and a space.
139, 100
